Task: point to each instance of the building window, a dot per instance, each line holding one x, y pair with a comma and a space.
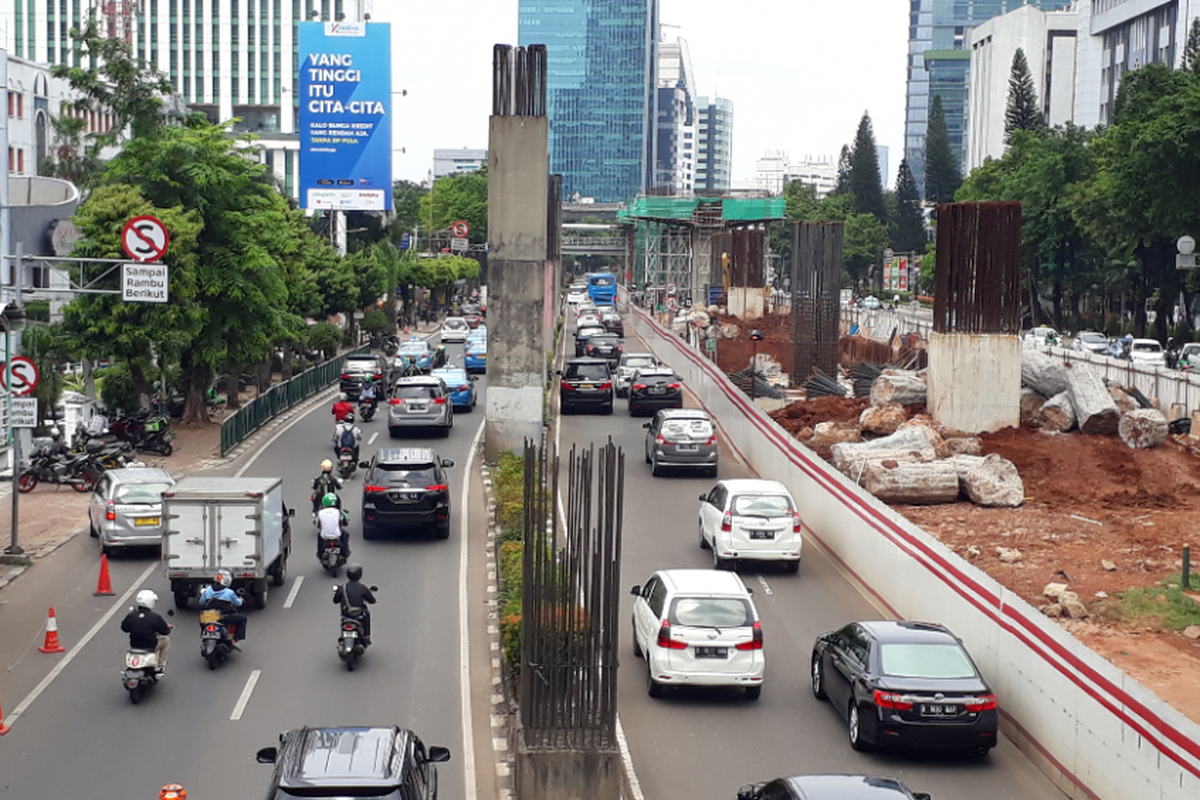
11, 159
20, 106
21, 160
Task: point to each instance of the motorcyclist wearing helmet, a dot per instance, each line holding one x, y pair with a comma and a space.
342, 407
325, 483
368, 394
355, 597
225, 600
439, 357
331, 524
147, 629
347, 434
57, 446
172, 791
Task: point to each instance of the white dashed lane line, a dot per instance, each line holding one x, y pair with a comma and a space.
374, 436
245, 698
291, 598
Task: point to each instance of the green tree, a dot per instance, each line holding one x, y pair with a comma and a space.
457, 197
942, 173
324, 337
844, 167
1191, 49
908, 224
1022, 112
864, 180
406, 201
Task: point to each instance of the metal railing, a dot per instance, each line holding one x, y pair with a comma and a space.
280, 397
1168, 385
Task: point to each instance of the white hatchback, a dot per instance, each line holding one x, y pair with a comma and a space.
455, 329
695, 627
749, 519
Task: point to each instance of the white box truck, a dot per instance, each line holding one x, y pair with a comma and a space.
239, 524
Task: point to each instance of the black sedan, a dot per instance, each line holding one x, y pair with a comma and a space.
584, 333
604, 345
830, 787
612, 320
653, 389
905, 683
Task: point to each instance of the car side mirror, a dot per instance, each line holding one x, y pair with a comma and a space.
291, 512
438, 754
636, 591
473, 378
374, 588
447, 462
703, 498
646, 425
745, 793
170, 612
364, 465
558, 372
267, 755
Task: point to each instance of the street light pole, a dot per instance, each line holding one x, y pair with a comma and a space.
756, 336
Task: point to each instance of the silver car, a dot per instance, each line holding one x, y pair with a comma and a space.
681, 437
125, 507
629, 364
420, 402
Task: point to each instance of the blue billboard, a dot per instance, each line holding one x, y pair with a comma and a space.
345, 116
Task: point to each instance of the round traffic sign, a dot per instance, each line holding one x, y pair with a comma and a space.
672, 303
672, 288
460, 229
145, 238
24, 376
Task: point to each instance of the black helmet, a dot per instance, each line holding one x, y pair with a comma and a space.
348, 419
354, 572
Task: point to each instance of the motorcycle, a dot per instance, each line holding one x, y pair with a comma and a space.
366, 409
347, 463
75, 470
332, 557
142, 671
352, 641
216, 637
157, 435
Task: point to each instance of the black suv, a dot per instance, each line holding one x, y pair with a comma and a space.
406, 487
586, 382
652, 389
356, 368
612, 320
381, 763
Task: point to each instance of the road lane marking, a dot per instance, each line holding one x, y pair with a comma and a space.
77, 649
245, 698
374, 436
464, 651
267, 444
291, 598
766, 587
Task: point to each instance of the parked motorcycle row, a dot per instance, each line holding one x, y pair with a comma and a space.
79, 470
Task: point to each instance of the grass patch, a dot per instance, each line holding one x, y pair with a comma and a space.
508, 480
1164, 604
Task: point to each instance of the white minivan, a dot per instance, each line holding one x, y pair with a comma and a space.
750, 519
696, 627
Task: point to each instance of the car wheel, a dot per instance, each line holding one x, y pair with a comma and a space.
637, 648
279, 574
793, 566
646, 454
712, 472
445, 434
854, 729
181, 600
653, 687
818, 679
259, 595
718, 562
368, 531
654, 470
95, 534
608, 409
754, 692
392, 432
564, 407
703, 541
442, 530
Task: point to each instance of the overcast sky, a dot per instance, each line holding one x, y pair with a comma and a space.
800, 73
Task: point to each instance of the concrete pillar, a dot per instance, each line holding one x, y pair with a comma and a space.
975, 381
568, 774
519, 272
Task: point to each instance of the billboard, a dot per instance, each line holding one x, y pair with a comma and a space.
345, 116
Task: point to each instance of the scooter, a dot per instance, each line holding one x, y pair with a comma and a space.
332, 557
216, 637
352, 641
347, 463
142, 671
366, 410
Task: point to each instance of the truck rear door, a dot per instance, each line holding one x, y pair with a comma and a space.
236, 531
185, 544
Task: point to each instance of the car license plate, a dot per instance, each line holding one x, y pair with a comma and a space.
762, 534
586, 386
686, 448
146, 521
405, 497
417, 408
658, 390
939, 710
712, 652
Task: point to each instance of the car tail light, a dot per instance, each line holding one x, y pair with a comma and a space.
437, 487
111, 514
891, 700
570, 387
984, 702
674, 385
660, 439
607, 385
345, 377
373, 488
796, 523
466, 387
591, 348
712, 439
727, 522
439, 401
378, 376
665, 640
756, 643
395, 401
638, 386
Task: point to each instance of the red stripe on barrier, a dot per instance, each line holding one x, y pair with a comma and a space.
984, 600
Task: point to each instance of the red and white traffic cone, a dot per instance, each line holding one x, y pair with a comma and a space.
104, 585
3, 728
52, 645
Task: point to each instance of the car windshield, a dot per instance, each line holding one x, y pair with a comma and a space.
635, 362
406, 474
413, 348
140, 492
417, 392
455, 324
470, 309
584, 333
925, 661
762, 505
711, 612
1093, 338
1147, 347
601, 281
653, 379
603, 339
452, 379
586, 372
360, 365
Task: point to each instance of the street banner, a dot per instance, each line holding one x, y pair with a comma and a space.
903, 286
345, 116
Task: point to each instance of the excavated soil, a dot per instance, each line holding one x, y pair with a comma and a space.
735, 354
1088, 499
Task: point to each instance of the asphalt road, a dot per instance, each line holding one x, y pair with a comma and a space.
705, 744
82, 738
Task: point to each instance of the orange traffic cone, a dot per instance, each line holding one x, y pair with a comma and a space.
104, 587
52, 645
3, 728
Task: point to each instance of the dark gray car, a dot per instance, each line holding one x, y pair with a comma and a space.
681, 437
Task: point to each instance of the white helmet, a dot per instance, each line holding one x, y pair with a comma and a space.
343, 397
146, 599
224, 578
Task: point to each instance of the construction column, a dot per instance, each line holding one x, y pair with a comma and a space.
519, 262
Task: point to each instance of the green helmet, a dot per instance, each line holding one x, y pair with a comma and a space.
441, 348
329, 500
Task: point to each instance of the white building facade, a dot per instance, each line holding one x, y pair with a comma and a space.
676, 126
227, 58
775, 170
456, 162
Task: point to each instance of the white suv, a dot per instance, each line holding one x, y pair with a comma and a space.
629, 364
698, 628
750, 520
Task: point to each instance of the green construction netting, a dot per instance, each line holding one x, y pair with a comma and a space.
682, 208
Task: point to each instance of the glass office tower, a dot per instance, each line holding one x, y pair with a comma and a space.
939, 58
601, 102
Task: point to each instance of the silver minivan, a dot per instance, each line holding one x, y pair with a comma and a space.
422, 402
125, 507
681, 437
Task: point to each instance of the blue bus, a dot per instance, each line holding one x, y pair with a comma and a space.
602, 287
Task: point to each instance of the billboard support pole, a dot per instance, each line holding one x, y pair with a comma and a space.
339, 232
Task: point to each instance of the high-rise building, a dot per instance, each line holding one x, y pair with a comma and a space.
601, 92
939, 53
675, 149
227, 58
714, 155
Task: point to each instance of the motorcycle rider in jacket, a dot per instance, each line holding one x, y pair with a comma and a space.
354, 598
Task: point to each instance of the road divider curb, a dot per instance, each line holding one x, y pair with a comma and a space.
499, 705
